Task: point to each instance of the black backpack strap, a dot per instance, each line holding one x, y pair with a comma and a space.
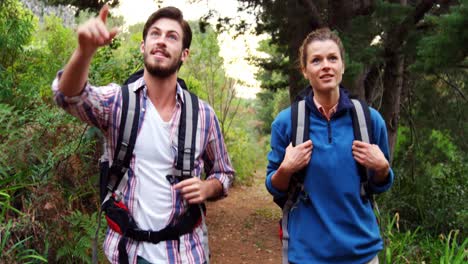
299, 134
362, 127
187, 136
126, 139
113, 176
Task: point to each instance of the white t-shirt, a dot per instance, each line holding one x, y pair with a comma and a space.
154, 193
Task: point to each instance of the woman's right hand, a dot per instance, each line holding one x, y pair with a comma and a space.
294, 160
297, 157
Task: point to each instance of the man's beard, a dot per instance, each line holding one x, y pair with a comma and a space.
161, 71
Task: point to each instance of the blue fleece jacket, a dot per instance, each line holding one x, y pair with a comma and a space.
331, 223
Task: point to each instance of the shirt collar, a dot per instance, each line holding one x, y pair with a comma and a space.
137, 84
322, 109
140, 84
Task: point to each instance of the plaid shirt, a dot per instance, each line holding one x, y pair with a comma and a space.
101, 107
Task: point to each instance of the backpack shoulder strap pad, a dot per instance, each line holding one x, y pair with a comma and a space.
187, 135
126, 139
299, 134
300, 122
362, 124
362, 127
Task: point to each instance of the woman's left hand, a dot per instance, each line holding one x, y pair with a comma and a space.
371, 157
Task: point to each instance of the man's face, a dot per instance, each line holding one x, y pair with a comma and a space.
162, 50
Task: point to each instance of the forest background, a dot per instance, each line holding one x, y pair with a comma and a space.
406, 58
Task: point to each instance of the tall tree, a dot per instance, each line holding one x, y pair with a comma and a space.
378, 72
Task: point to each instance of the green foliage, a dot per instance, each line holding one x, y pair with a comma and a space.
273, 69
280, 102
430, 189
14, 249
420, 247
242, 153
207, 67
16, 24
39, 154
453, 252
268, 105
195, 86
264, 108
44, 161
204, 62
399, 246
205, 75
16, 28
244, 144
445, 47
78, 239
387, 14
47, 53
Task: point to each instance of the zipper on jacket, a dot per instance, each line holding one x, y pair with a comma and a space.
329, 132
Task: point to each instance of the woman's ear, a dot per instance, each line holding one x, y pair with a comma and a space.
304, 73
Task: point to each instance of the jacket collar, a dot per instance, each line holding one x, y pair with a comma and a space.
344, 102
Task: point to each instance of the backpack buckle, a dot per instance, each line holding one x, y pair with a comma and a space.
117, 195
171, 179
186, 173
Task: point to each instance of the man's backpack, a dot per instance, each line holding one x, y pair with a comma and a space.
114, 178
362, 127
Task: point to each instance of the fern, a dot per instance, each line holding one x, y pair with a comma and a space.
78, 245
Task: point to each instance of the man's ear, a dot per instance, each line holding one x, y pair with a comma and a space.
142, 46
185, 54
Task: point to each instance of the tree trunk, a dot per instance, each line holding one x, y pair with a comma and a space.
393, 85
393, 68
341, 12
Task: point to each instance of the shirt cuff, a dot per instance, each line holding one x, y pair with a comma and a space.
226, 182
271, 189
61, 98
384, 186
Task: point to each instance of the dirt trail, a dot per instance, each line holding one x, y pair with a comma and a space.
243, 228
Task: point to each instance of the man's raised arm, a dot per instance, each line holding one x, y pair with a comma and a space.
91, 35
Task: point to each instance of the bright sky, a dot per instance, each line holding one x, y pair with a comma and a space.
234, 51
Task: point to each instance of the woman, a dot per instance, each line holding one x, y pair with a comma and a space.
330, 223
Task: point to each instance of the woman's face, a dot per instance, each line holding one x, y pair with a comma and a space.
324, 66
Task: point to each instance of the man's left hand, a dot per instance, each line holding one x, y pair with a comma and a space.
196, 191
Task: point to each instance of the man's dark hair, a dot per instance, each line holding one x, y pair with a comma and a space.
173, 13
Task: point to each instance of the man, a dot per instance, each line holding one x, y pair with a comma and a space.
152, 199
